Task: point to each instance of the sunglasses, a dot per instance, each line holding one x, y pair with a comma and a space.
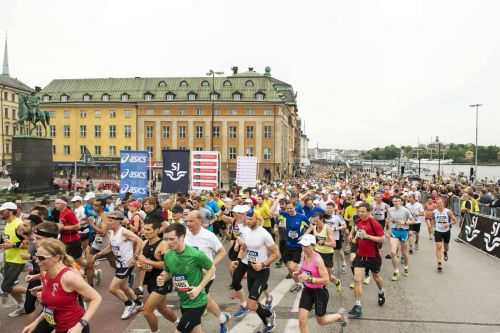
42, 258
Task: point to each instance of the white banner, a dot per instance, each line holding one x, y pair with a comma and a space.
205, 170
246, 171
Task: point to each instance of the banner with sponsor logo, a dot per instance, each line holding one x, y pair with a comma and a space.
246, 171
134, 173
175, 177
205, 170
482, 232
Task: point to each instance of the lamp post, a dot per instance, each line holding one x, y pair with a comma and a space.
439, 157
212, 73
476, 106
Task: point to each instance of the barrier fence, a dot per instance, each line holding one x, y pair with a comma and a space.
482, 232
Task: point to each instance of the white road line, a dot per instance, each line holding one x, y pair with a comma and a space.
295, 306
252, 322
292, 325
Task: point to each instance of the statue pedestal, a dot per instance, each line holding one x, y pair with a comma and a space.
32, 164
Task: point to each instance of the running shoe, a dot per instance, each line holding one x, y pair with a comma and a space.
223, 326
405, 271
395, 276
296, 288
241, 312
388, 256
338, 286
445, 256
381, 299
19, 311
440, 267
366, 280
128, 312
279, 264
411, 250
344, 320
269, 302
356, 312
271, 323
351, 285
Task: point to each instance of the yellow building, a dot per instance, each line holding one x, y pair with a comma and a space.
10, 89
253, 114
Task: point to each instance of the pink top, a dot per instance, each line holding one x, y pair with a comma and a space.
311, 269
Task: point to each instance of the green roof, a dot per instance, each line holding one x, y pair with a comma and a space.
11, 82
248, 84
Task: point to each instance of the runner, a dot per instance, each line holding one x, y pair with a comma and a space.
430, 206
206, 241
399, 218
339, 227
191, 271
126, 247
443, 218
417, 211
369, 237
69, 227
379, 209
79, 211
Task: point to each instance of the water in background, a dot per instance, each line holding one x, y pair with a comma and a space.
483, 171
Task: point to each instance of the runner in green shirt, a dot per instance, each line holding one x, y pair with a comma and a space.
191, 270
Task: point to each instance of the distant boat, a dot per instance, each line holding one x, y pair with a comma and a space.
431, 161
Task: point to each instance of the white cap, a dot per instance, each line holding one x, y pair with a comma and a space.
8, 205
88, 196
76, 198
241, 209
307, 240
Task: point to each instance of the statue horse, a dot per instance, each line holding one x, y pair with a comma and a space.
29, 113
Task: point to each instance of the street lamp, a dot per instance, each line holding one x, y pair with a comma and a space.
475, 154
212, 73
439, 157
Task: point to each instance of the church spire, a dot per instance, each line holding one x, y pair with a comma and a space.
5, 68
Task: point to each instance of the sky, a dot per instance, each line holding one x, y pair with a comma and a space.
367, 73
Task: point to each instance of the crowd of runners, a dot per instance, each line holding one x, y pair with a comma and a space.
318, 228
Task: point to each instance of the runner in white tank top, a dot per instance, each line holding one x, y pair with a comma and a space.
442, 219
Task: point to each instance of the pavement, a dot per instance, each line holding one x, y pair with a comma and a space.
464, 298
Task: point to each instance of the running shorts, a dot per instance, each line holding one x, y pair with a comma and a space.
327, 259
442, 236
74, 249
317, 297
338, 243
191, 317
415, 227
257, 282
372, 263
382, 223
11, 272
293, 254
123, 272
401, 234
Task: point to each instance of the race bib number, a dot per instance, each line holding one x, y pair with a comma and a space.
320, 240
116, 250
148, 267
293, 234
252, 256
48, 315
98, 239
180, 283
282, 222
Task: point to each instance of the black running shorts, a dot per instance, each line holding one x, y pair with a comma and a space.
317, 297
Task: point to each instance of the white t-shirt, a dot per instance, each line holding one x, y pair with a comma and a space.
417, 195
443, 221
416, 209
80, 214
257, 241
336, 221
379, 210
205, 241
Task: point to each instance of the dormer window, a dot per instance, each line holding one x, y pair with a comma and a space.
148, 97
236, 96
259, 96
191, 96
183, 84
249, 83
87, 98
205, 83
124, 97
105, 98
227, 83
162, 84
170, 96
214, 96
46, 98
64, 98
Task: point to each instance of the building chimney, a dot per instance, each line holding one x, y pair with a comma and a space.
234, 69
250, 69
38, 89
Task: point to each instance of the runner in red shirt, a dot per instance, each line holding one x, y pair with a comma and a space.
61, 287
69, 227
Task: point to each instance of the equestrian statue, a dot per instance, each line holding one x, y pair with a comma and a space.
30, 116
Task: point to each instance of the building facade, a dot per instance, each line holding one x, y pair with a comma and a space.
244, 114
10, 90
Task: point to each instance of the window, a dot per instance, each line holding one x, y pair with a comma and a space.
182, 112
53, 131
66, 114
124, 98
165, 132
67, 131
182, 132
268, 112
170, 96
127, 148
5, 96
127, 130
198, 148
249, 83
112, 114
6, 113
237, 97
149, 149
83, 114
148, 97
250, 132
86, 98
249, 151
205, 83
112, 150
128, 114
64, 98
166, 112
216, 132
7, 129
54, 149
267, 154
192, 96
250, 112
98, 114
182, 148
199, 131
234, 112
83, 150
14, 116
105, 98
67, 150
183, 84
83, 131
217, 112
259, 96
112, 131
52, 114
199, 112
268, 132
149, 132
38, 130
232, 132
13, 97
232, 153
97, 150
97, 131
162, 84
227, 83
46, 98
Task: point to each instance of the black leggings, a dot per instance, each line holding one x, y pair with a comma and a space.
238, 275
30, 300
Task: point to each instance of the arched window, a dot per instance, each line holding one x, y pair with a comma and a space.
170, 96
162, 84
205, 83
64, 98
148, 96
105, 97
183, 84
260, 96
87, 98
191, 96
237, 96
46, 98
227, 83
125, 97
249, 83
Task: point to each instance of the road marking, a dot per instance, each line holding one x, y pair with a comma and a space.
252, 322
295, 305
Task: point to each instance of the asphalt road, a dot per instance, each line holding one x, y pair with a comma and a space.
464, 298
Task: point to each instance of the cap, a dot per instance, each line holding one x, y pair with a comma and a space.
241, 209
116, 215
135, 204
76, 198
88, 196
61, 201
8, 205
307, 240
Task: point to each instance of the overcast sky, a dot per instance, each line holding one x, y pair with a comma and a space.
368, 73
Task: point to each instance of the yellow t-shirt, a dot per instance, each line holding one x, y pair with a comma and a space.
13, 255
264, 212
349, 212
